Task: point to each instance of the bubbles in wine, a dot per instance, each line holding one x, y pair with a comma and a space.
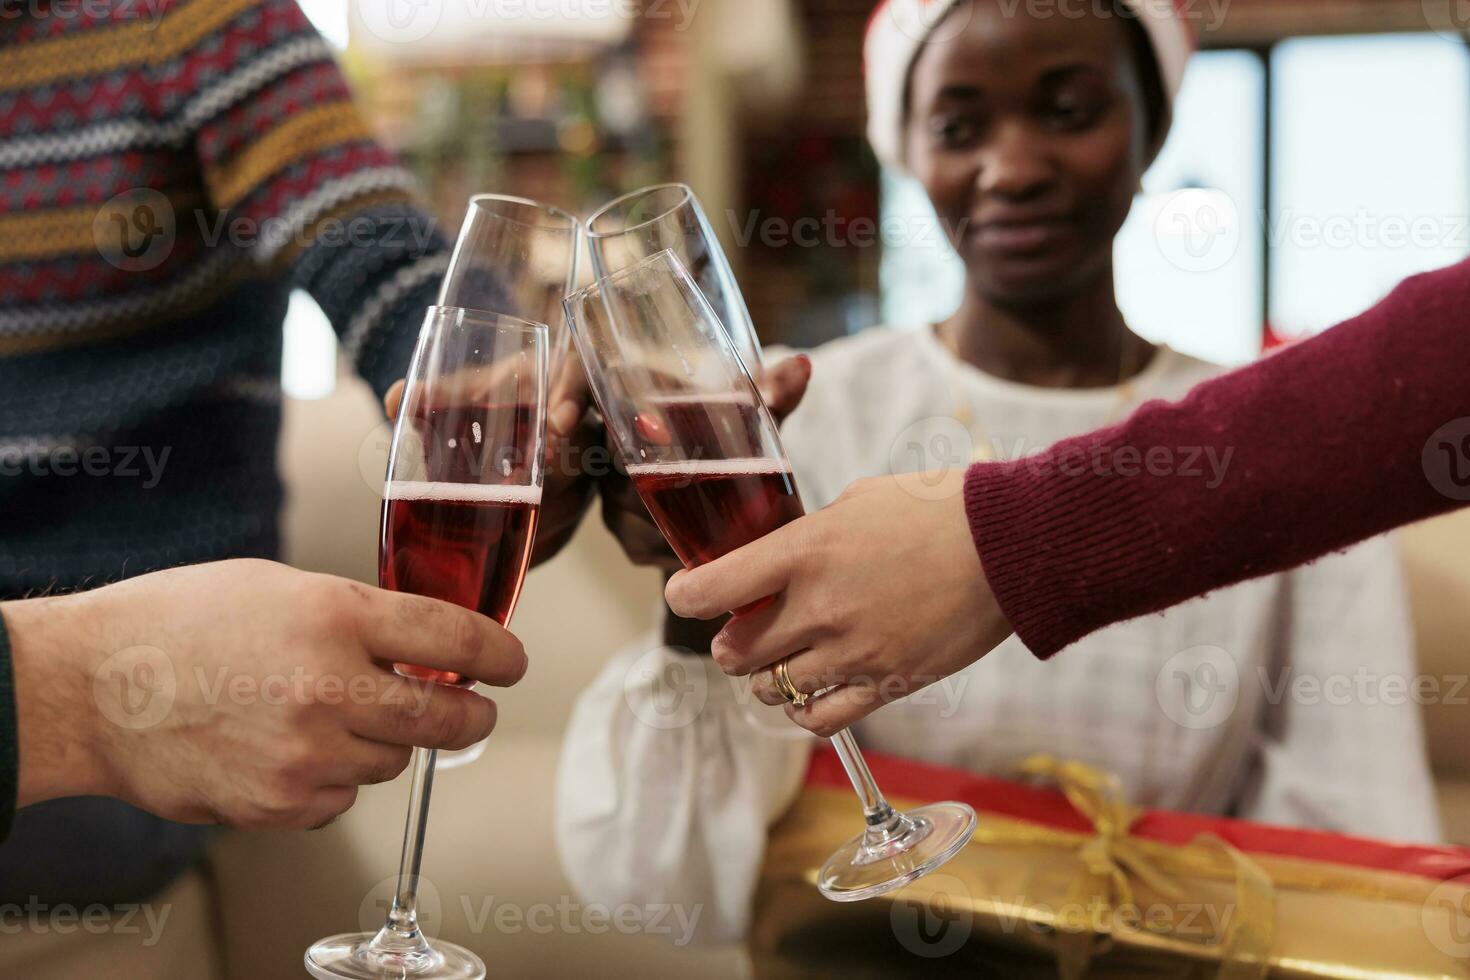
463, 492
706, 468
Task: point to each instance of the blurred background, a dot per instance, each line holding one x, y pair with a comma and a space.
1322, 154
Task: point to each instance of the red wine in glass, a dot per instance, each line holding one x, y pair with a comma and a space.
708, 507
723, 426
465, 543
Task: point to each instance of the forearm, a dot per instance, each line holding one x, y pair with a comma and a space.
375, 286
1300, 454
289, 153
55, 751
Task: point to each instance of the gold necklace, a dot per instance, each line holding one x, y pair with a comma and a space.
980, 438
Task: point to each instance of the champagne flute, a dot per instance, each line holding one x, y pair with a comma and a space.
644, 222
518, 257
704, 455
459, 521
628, 229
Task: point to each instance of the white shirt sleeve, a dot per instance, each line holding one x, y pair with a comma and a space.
665, 788
1343, 734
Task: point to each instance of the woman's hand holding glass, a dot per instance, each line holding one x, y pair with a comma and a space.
876, 596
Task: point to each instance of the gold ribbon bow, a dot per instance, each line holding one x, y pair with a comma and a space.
1114, 860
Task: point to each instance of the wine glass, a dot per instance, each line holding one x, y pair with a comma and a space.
630, 228
703, 453
459, 521
518, 257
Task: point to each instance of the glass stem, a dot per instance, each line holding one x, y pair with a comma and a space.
401, 933
883, 822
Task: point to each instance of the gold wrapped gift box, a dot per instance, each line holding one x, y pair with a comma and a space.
1075, 883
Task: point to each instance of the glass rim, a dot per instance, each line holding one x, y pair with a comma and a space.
486, 318
612, 278
688, 196
571, 221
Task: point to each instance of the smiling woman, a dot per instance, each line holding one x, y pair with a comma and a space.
1030, 136
1029, 131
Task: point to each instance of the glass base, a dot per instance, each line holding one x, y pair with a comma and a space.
351, 957
878, 861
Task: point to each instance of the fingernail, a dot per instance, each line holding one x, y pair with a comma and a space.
564, 418
806, 364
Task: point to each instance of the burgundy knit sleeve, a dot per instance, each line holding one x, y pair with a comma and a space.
1338, 438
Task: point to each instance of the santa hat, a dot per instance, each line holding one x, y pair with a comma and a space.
898, 30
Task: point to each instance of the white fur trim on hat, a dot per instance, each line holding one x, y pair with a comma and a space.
898, 29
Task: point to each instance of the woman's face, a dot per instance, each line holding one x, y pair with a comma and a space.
1029, 134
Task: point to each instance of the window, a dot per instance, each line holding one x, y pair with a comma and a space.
1371, 171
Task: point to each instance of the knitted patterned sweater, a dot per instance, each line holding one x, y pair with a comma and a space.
169, 171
